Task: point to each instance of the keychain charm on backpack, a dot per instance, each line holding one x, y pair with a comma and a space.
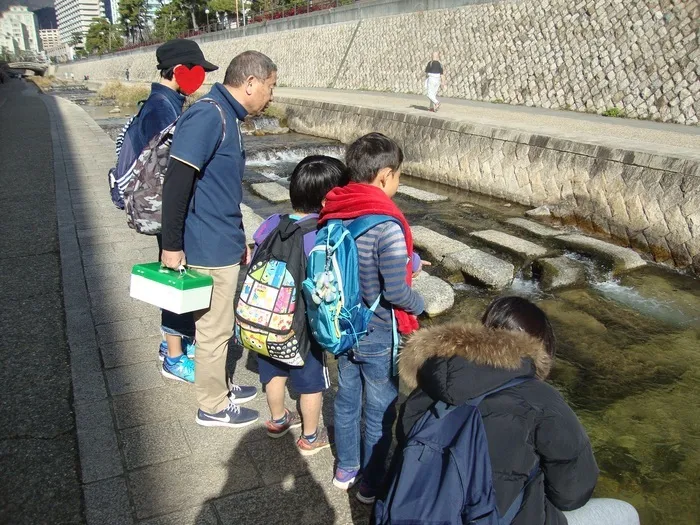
325, 290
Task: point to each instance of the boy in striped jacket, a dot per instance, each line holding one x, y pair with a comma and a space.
387, 264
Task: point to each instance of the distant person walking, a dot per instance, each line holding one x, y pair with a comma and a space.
434, 80
126, 73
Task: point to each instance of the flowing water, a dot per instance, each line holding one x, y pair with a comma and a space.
628, 347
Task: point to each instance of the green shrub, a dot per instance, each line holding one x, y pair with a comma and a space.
613, 112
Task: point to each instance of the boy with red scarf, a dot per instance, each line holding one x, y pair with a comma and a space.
386, 268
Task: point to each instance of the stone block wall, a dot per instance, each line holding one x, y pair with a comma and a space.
649, 202
642, 57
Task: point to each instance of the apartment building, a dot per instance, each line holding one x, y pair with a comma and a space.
50, 38
75, 16
19, 24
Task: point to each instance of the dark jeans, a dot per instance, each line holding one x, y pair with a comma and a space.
172, 323
367, 370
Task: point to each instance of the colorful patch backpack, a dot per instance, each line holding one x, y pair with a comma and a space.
270, 313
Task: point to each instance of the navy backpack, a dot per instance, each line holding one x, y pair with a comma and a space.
443, 476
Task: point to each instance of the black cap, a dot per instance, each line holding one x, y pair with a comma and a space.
180, 51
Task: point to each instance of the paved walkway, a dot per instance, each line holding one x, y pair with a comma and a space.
657, 138
142, 456
39, 471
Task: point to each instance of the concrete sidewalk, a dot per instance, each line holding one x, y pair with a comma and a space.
656, 138
142, 456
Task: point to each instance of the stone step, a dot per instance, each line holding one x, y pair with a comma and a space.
512, 244
457, 256
251, 222
559, 272
271, 191
533, 227
437, 294
482, 267
622, 259
421, 195
438, 246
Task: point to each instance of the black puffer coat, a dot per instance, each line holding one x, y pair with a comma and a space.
525, 424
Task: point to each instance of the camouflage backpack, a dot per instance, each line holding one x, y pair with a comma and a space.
143, 195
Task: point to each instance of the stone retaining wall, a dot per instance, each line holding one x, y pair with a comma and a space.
590, 55
650, 202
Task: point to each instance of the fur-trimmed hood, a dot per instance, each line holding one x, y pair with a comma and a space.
457, 362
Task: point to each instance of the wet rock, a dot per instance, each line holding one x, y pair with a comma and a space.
438, 246
510, 243
559, 272
482, 267
438, 295
115, 110
542, 211
251, 222
622, 259
535, 228
421, 195
271, 191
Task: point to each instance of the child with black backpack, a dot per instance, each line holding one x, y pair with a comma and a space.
270, 314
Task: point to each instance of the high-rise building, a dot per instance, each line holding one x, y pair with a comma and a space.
111, 8
8, 44
75, 16
50, 38
46, 17
21, 25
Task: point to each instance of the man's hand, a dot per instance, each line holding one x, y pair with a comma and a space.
173, 260
247, 256
422, 263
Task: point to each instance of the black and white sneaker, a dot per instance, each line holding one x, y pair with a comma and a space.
232, 416
241, 394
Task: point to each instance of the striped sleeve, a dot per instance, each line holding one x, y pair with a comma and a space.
392, 260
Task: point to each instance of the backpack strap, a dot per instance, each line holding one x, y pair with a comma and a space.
363, 224
441, 409
514, 508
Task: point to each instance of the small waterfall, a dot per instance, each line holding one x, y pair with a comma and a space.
266, 123
272, 158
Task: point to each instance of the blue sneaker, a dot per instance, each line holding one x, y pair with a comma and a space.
344, 479
241, 394
232, 416
180, 370
189, 348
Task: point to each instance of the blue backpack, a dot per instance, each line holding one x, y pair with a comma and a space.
337, 315
443, 475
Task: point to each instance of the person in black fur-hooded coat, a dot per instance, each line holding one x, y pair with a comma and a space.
526, 424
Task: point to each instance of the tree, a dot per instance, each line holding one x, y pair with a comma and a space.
171, 21
76, 39
102, 37
133, 14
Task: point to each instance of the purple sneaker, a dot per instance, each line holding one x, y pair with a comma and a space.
344, 479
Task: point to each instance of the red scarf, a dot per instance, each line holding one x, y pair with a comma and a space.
355, 200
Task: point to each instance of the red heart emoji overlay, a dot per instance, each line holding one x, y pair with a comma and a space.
189, 80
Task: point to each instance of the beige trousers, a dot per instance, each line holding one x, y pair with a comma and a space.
214, 331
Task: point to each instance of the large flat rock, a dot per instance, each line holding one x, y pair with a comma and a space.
482, 267
421, 195
510, 243
560, 272
438, 246
622, 259
271, 191
437, 294
251, 222
534, 228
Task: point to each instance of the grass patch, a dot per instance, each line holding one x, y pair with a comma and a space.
43, 83
123, 95
613, 112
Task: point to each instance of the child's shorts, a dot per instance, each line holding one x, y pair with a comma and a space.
308, 379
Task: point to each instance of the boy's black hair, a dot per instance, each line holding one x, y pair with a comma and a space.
371, 153
518, 314
168, 74
312, 179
